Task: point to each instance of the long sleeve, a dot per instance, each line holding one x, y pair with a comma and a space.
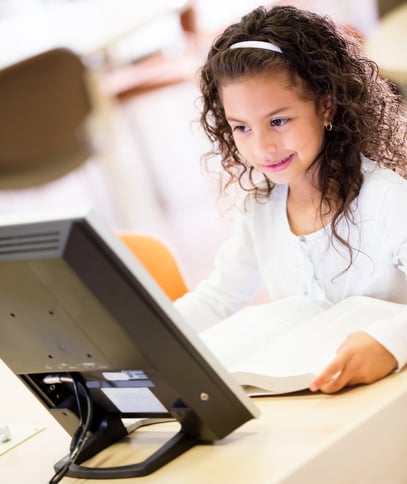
392, 333
232, 284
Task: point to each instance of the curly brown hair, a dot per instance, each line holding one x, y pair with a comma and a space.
321, 58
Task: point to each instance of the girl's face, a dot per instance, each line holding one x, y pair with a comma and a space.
276, 131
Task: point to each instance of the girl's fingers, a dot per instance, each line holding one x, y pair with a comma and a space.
328, 375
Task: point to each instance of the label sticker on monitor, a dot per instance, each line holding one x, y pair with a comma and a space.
135, 399
125, 375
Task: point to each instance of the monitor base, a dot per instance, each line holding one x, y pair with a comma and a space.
174, 447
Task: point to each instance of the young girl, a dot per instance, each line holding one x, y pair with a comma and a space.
305, 125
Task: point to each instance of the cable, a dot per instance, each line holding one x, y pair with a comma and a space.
81, 434
79, 430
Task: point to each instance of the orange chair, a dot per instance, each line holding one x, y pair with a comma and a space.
158, 261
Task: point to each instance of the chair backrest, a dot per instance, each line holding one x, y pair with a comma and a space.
44, 108
386, 6
158, 261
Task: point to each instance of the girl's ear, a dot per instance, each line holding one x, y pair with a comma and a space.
327, 107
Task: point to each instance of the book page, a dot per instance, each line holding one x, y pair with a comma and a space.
314, 344
289, 359
246, 332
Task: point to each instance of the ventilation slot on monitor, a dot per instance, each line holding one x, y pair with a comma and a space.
29, 243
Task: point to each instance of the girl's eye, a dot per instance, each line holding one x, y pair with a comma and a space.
240, 128
279, 122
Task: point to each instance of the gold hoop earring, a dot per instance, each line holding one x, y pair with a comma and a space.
329, 127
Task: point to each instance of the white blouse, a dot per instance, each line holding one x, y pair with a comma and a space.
264, 251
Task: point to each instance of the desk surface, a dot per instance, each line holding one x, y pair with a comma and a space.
357, 435
387, 45
86, 27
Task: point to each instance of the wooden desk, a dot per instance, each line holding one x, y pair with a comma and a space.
356, 436
386, 45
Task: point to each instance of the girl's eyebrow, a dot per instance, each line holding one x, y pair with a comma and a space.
267, 115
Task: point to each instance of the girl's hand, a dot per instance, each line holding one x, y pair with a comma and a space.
359, 359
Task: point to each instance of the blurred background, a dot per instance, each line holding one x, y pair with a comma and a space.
99, 108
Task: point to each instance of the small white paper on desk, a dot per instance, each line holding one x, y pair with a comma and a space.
17, 435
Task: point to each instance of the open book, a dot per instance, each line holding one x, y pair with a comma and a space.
280, 347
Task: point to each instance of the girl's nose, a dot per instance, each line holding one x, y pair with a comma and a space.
265, 142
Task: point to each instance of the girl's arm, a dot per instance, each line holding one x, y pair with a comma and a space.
232, 285
369, 355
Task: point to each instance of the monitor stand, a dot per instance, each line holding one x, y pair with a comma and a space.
111, 429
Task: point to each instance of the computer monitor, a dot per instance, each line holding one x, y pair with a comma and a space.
96, 340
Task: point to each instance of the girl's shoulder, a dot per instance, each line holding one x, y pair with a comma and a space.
380, 176
381, 185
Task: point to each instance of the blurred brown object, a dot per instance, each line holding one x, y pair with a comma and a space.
386, 6
152, 73
44, 108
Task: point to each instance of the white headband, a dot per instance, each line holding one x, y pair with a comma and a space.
256, 44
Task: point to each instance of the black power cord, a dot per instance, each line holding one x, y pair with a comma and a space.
81, 434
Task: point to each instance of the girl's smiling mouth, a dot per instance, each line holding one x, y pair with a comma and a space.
278, 165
